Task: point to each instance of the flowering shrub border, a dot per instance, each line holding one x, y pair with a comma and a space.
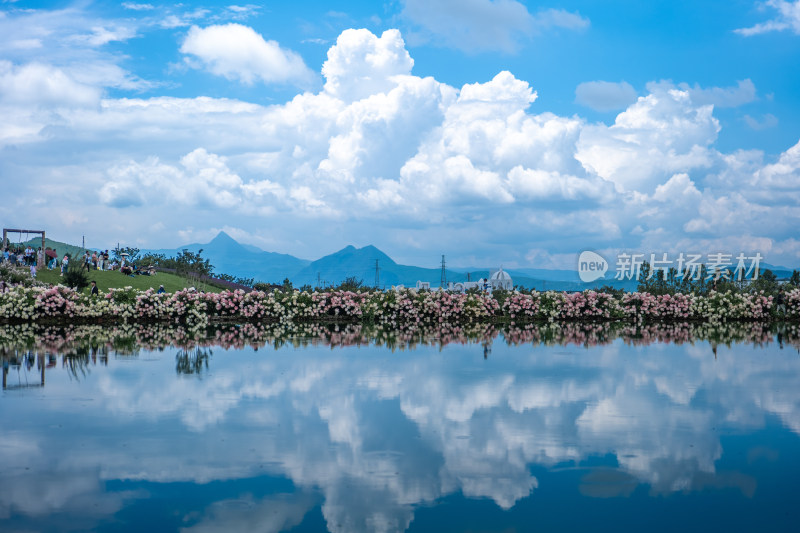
61, 304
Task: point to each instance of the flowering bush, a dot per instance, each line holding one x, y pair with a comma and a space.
643, 305
56, 301
19, 303
340, 303
590, 304
792, 304
402, 307
524, 306
723, 306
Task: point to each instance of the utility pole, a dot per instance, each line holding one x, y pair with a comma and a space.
377, 274
444, 274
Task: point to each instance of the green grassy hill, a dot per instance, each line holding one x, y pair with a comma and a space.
60, 247
115, 280
111, 280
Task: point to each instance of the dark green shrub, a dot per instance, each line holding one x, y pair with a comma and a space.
76, 277
351, 284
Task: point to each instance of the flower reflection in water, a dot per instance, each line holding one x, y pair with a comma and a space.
128, 339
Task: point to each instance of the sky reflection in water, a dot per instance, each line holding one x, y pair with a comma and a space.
482, 436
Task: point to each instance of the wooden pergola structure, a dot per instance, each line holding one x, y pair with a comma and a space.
40, 257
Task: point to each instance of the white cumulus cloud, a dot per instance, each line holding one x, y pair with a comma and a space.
785, 173
384, 154
361, 64
204, 180
40, 84
662, 133
787, 18
237, 52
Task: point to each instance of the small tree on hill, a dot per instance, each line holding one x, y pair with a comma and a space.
767, 282
351, 284
148, 260
187, 261
132, 253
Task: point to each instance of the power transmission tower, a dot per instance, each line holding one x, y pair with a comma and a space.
377, 274
444, 274
318, 283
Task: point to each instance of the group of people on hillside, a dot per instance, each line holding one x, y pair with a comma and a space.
98, 261
91, 260
27, 257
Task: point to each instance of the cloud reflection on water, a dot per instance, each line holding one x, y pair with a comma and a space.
377, 433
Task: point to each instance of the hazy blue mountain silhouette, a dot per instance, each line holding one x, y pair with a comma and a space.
230, 257
359, 263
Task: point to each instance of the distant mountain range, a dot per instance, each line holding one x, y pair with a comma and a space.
230, 257
246, 261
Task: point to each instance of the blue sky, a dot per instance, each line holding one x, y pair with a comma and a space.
495, 132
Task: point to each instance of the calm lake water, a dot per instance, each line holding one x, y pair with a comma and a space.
505, 432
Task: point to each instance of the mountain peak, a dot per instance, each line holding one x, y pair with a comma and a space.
222, 238
223, 243
353, 256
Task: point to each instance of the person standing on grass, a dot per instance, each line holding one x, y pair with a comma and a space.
94, 260
780, 303
64, 264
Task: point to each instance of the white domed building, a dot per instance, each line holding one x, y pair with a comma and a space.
501, 280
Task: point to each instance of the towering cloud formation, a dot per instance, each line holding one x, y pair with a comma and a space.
360, 64
385, 154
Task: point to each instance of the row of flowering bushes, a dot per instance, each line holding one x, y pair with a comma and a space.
642, 306
391, 307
